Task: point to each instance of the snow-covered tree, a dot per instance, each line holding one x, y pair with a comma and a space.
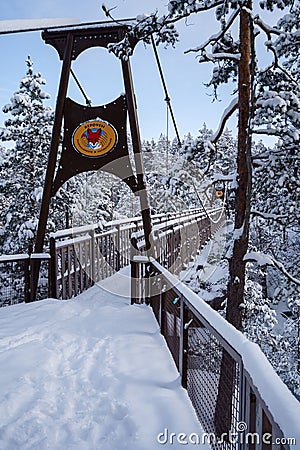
234, 58
28, 132
93, 202
267, 103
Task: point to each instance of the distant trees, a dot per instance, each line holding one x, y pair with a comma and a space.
27, 135
265, 186
267, 98
93, 200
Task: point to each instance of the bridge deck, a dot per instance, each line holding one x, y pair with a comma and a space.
89, 373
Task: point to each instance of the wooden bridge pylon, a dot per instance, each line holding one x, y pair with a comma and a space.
76, 156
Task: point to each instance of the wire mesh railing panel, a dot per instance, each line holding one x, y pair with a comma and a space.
232, 404
42, 291
213, 385
155, 304
12, 282
16, 278
171, 323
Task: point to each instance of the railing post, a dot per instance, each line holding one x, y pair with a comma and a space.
49, 278
27, 284
162, 311
92, 256
252, 414
53, 270
183, 356
134, 276
147, 283
118, 249
134, 272
160, 302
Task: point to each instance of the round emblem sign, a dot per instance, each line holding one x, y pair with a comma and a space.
94, 138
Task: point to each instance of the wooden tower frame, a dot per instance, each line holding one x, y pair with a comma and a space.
70, 43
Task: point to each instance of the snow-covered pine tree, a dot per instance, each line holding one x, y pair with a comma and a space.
93, 202
28, 132
276, 189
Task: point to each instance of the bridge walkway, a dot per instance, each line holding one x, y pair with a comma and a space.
89, 373
230, 383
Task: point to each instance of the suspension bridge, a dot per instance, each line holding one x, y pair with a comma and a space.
229, 381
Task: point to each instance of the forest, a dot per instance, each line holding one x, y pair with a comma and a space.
256, 281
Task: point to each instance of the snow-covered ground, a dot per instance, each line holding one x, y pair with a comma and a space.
91, 373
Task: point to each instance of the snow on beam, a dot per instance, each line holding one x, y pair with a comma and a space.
72, 231
19, 25
23, 257
40, 256
73, 241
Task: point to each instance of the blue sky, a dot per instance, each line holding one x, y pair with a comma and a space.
99, 72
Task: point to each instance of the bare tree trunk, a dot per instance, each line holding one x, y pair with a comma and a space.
236, 283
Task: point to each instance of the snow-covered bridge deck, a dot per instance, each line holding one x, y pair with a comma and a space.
89, 373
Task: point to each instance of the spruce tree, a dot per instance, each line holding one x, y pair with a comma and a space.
28, 132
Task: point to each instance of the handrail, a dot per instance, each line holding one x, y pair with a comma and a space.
81, 256
231, 383
16, 286
156, 218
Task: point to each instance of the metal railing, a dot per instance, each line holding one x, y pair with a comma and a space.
81, 256
240, 401
16, 278
84, 255
176, 243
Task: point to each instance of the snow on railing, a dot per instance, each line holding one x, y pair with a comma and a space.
238, 397
84, 255
16, 277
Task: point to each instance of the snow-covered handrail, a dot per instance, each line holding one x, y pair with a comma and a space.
24, 263
228, 378
83, 255
73, 231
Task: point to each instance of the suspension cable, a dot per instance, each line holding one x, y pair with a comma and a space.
202, 204
167, 98
167, 137
88, 101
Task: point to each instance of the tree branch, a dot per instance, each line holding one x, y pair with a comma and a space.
212, 57
216, 37
226, 115
205, 7
163, 21
267, 260
263, 26
269, 31
269, 131
282, 269
278, 66
268, 216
